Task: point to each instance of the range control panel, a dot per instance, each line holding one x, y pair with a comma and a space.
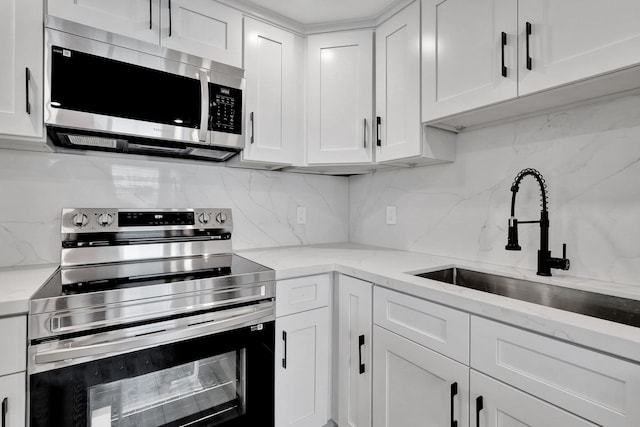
97, 220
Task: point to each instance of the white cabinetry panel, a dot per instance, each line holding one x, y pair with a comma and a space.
575, 39
504, 406
269, 66
440, 328
21, 82
397, 83
593, 385
138, 19
354, 352
462, 55
340, 104
12, 388
302, 369
412, 385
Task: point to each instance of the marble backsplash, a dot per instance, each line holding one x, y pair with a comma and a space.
589, 156
35, 186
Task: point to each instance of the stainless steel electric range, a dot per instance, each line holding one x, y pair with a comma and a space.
151, 320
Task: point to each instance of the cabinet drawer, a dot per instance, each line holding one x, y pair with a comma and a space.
598, 387
302, 294
435, 326
13, 338
12, 388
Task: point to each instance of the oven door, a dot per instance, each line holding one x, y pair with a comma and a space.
225, 378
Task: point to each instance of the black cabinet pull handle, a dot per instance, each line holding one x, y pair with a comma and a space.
284, 359
5, 407
170, 26
364, 133
454, 392
150, 15
479, 407
251, 119
26, 86
360, 344
528, 30
504, 43
378, 132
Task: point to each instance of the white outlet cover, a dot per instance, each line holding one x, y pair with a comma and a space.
301, 215
391, 215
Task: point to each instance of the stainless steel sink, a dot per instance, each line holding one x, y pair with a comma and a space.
615, 309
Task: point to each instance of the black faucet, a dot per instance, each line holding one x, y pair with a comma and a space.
545, 261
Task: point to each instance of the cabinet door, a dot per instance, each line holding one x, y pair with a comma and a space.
340, 90
203, 28
495, 404
575, 39
21, 67
302, 369
354, 352
269, 66
397, 86
414, 386
590, 384
462, 55
12, 396
138, 19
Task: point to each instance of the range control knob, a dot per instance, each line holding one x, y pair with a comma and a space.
105, 219
221, 218
204, 218
79, 220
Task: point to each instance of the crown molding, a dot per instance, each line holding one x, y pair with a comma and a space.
266, 15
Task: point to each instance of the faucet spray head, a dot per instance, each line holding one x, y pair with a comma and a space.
512, 240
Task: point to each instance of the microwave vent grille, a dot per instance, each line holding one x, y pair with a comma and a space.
92, 141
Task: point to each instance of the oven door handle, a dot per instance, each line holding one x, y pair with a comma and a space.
220, 321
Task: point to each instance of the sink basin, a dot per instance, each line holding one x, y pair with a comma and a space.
607, 307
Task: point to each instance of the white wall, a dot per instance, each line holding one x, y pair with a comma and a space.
34, 187
589, 156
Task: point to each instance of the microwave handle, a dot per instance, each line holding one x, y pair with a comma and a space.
204, 106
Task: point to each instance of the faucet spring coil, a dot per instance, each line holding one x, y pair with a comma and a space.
538, 176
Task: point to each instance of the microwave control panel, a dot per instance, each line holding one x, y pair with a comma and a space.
225, 109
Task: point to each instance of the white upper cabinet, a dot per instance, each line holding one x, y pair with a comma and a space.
21, 50
340, 97
575, 39
202, 28
397, 86
478, 53
464, 46
138, 19
269, 65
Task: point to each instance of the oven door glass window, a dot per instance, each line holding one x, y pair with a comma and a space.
211, 389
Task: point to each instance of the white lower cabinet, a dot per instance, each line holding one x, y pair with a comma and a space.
495, 404
12, 397
415, 386
13, 335
354, 352
302, 357
593, 385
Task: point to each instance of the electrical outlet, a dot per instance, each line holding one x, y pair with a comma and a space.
391, 215
301, 215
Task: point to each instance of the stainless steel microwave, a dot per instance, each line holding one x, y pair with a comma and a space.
99, 96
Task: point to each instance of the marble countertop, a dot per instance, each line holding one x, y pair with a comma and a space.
18, 284
390, 268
